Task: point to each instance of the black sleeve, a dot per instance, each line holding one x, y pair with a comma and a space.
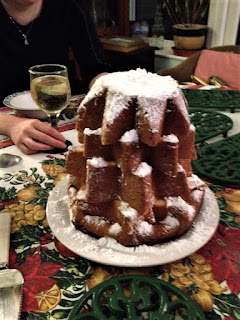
86, 45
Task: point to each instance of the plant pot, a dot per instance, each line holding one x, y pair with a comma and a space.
189, 36
183, 52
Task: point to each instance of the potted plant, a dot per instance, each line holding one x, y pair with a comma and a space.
187, 17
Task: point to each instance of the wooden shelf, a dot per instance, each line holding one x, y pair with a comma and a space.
124, 61
111, 47
123, 44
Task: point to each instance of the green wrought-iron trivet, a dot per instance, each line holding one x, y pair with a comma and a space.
209, 124
135, 297
213, 99
220, 161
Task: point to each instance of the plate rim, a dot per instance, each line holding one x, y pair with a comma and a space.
7, 101
108, 251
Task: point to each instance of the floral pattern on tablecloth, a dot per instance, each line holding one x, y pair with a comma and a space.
55, 277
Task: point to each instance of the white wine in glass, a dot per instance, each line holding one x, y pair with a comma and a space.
50, 89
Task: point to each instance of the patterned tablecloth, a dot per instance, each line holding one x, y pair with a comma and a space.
55, 278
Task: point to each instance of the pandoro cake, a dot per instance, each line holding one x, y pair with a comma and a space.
130, 178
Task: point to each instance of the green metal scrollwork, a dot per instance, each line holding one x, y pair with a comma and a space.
135, 297
213, 99
209, 124
219, 161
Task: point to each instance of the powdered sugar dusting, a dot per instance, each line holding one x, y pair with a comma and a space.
194, 182
72, 192
153, 109
143, 170
115, 228
114, 105
137, 83
181, 105
73, 148
128, 85
127, 211
181, 205
192, 127
197, 194
88, 131
130, 136
108, 251
180, 168
96, 220
81, 195
171, 138
144, 228
97, 162
170, 222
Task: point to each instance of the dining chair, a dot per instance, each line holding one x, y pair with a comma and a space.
183, 71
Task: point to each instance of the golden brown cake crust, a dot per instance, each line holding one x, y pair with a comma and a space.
131, 179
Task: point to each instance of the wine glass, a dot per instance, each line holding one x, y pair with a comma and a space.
50, 89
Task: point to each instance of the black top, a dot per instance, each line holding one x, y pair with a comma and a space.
61, 24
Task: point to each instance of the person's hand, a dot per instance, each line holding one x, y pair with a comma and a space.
32, 135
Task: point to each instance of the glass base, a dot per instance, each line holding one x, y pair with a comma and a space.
59, 150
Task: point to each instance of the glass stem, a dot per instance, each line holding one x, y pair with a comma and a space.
53, 119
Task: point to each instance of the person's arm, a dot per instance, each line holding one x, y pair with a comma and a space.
30, 135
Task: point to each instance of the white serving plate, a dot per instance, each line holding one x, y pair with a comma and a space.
24, 105
108, 251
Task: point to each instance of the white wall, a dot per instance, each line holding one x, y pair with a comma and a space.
223, 22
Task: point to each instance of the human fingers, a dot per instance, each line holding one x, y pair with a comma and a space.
32, 147
31, 135
44, 144
47, 129
25, 149
37, 135
39, 140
